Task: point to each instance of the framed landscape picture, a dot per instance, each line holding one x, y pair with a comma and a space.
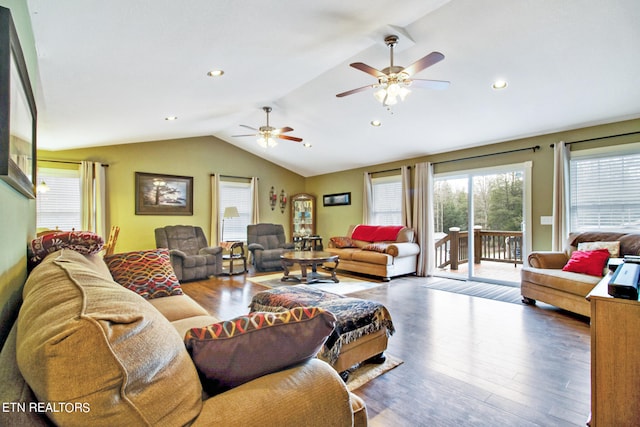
163, 194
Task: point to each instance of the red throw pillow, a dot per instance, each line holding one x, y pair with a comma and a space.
85, 242
588, 262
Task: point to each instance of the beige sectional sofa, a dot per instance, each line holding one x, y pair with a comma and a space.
383, 258
544, 280
87, 351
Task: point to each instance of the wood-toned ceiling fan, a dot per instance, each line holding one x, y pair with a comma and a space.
268, 134
393, 81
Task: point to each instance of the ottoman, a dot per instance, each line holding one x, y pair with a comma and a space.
362, 327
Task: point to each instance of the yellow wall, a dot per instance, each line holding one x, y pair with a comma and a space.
334, 220
17, 213
195, 157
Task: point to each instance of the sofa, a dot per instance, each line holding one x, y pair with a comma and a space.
376, 250
85, 350
544, 279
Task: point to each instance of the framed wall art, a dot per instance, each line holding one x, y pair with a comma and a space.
163, 194
17, 112
336, 199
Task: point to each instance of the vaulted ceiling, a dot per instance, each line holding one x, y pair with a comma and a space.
110, 72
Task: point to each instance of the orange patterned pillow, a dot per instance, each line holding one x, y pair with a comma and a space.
376, 247
147, 273
342, 242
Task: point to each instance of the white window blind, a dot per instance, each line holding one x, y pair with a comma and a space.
387, 200
238, 194
60, 206
604, 191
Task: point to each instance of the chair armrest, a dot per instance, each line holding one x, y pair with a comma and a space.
255, 247
289, 246
211, 250
178, 253
548, 259
403, 249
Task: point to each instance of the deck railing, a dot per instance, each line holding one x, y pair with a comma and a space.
489, 245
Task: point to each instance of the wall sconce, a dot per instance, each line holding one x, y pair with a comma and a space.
273, 198
283, 201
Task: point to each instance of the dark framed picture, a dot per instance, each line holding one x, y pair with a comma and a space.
336, 199
163, 194
17, 113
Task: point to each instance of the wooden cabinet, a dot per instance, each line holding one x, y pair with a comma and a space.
303, 215
615, 359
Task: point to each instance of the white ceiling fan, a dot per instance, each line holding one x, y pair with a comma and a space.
394, 81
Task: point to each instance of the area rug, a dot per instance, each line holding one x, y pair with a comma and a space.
362, 374
478, 289
346, 285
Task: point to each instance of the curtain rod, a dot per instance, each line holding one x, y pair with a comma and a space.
232, 176
599, 138
534, 148
70, 162
389, 170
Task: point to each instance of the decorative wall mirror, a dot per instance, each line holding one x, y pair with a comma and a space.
17, 112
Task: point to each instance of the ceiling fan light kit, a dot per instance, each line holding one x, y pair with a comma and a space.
268, 135
394, 81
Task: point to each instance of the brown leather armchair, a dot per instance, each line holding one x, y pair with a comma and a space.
191, 256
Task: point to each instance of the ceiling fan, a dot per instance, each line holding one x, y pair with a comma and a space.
393, 81
267, 134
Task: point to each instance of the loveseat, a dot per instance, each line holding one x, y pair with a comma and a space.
87, 351
543, 279
376, 250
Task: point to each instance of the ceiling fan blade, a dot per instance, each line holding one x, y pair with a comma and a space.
249, 127
290, 138
421, 64
367, 69
253, 134
352, 91
283, 130
430, 84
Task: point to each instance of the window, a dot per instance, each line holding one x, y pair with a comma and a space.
604, 191
387, 200
235, 193
59, 207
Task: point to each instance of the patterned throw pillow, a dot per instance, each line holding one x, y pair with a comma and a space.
342, 242
147, 273
236, 351
376, 247
588, 262
85, 242
613, 247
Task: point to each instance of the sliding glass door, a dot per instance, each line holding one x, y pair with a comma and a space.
481, 223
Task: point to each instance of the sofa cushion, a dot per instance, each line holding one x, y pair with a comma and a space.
612, 247
342, 242
85, 242
82, 338
588, 262
176, 307
565, 281
147, 273
236, 351
372, 257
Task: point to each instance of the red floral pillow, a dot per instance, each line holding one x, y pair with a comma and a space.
342, 242
85, 242
588, 262
147, 273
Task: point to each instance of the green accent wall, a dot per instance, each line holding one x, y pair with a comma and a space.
17, 213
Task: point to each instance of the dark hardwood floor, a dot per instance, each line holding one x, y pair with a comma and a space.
468, 361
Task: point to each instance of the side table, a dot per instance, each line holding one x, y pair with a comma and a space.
236, 253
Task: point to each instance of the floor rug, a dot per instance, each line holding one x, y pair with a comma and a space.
347, 284
478, 289
362, 374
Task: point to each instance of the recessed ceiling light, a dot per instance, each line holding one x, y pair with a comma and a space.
306, 145
215, 73
499, 84
171, 118
376, 123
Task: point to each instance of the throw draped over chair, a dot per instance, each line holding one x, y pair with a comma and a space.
191, 256
267, 242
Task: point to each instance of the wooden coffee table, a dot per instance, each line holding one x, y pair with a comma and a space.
309, 259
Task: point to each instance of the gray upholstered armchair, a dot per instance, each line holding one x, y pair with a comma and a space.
191, 257
267, 242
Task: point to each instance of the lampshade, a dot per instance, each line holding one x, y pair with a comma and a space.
231, 212
392, 87
267, 141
